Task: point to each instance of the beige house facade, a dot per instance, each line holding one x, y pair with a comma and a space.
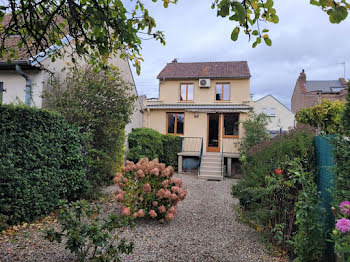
204, 103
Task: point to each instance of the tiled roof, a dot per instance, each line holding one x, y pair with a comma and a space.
332, 86
227, 70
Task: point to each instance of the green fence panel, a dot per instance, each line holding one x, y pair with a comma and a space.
325, 182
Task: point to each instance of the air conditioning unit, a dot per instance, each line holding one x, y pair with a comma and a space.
204, 82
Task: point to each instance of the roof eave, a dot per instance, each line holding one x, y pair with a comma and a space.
12, 65
204, 77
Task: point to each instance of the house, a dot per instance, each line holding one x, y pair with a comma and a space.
204, 103
23, 80
310, 93
281, 118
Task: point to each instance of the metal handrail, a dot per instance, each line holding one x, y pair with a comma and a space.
222, 159
200, 158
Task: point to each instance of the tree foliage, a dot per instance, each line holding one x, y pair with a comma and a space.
101, 103
255, 131
249, 15
98, 26
104, 27
326, 116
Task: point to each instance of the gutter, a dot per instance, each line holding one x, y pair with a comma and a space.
28, 85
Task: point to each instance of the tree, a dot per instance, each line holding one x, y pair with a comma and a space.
255, 131
101, 103
326, 116
102, 27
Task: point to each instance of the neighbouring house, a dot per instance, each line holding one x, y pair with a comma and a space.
310, 93
281, 118
26, 84
204, 103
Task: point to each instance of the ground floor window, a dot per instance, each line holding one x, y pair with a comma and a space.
231, 125
175, 123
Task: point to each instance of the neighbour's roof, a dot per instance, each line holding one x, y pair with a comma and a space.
269, 95
223, 70
328, 86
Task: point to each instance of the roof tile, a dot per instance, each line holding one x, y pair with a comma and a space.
175, 70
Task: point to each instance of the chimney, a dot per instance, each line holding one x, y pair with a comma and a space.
175, 60
302, 76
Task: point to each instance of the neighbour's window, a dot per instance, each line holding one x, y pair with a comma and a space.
175, 123
222, 92
269, 111
231, 125
186, 92
1, 91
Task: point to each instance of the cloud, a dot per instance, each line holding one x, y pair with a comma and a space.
304, 39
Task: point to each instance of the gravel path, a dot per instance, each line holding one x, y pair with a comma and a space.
204, 229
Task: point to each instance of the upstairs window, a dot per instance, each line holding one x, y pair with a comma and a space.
231, 125
175, 123
269, 111
222, 92
186, 92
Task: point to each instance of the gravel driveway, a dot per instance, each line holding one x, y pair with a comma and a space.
204, 229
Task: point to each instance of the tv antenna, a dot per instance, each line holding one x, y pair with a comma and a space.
344, 64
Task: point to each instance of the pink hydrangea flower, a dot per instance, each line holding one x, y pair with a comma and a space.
166, 172
125, 180
162, 209
152, 213
174, 197
126, 211
141, 213
146, 188
120, 197
155, 171
165, 183
172, 210
118, 177
155, 203
140, 173
343, 225
167, 194
160, 193
169, 217
175, 189
135, 215
345, 207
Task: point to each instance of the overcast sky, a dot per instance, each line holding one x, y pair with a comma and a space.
303, 39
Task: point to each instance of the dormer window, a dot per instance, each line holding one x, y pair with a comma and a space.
222, 92
186, 92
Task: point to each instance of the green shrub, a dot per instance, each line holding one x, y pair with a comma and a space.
342, 170
41, 162
171, 147
346, 116
278, 193
255, 131
89, 236
325, 116
101, 104
145, 143
148, 190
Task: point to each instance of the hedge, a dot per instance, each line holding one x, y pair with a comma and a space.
149, 143
41, 162
278, 194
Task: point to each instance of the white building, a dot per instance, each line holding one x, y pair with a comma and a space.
281, 118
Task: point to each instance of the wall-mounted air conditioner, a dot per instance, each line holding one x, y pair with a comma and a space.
204, 82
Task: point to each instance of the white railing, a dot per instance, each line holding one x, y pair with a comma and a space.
231, 145
191, 144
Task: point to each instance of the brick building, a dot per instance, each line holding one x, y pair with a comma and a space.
309, 93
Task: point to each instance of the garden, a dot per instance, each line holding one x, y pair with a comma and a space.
295, 187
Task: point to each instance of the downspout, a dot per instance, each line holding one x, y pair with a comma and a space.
28, 84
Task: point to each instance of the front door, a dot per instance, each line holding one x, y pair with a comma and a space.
213, 144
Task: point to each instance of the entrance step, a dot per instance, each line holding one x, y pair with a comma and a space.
211, 167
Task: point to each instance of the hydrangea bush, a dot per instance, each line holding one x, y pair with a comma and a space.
147, 189
341, 234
